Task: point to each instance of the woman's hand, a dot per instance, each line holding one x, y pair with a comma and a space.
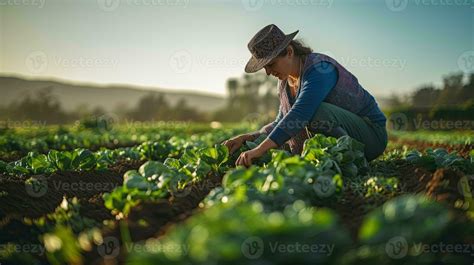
235, 143
245, 159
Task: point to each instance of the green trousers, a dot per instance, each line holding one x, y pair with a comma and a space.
332, 120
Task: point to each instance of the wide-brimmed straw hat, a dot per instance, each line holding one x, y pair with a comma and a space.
266, 45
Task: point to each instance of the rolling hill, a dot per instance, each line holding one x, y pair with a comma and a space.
76, 95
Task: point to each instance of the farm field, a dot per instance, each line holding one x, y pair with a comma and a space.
170, 194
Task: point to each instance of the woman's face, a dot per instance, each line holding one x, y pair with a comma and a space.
280, 67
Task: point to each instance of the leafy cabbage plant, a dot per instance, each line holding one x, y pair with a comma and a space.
155, 180
344, 155
440, 158
400, 231
285, 180
35, 163
244, 234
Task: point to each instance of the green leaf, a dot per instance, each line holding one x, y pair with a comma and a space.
415, 217
239, 176
61, 160
201, 169
189, 157
214, 155
136, 182
151, 168
172, 163
349, 170
84, 160
251, 145
40, 164
3, 167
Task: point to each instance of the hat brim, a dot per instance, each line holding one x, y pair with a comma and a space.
256, 64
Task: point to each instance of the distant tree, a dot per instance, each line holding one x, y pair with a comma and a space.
395, 101
232, 86
152, 106
467, 91
251, 94
451, 91
42, 106
426, 96
183, 112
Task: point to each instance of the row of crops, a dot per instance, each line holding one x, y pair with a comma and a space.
448, 137
17, 142
177, 198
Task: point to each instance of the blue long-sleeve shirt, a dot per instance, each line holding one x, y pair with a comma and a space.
316, 86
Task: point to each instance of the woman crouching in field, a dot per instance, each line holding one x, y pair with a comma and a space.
317, 95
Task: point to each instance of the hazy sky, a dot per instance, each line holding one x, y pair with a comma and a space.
391, 46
